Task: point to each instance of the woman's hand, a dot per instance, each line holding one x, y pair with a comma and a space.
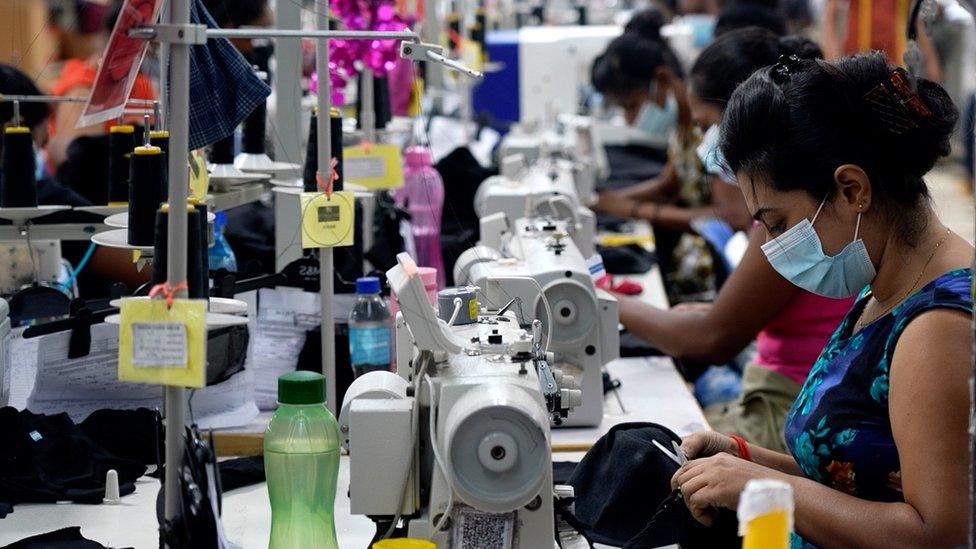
708, 443
715, 482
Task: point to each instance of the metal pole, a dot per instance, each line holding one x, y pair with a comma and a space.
149, 33
164, 49
176, 236
434, 73
287, 80
326, 290
367, 104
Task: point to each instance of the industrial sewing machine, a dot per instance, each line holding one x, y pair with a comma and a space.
533, 267
458, 444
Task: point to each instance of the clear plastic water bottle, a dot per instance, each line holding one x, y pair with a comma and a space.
301, 462
220, 256
370, 324
423, 196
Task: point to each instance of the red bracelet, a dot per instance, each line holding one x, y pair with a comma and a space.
743, 448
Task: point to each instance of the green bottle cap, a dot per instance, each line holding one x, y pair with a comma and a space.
301, 388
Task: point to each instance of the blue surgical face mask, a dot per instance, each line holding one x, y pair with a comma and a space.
656, 121
711, 156
798, 256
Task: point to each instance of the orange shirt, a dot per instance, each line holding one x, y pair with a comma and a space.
877, 25
78, 73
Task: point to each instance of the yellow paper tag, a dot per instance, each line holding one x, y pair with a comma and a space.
377, 166
328, 221
199, 177
473, 308
162, 345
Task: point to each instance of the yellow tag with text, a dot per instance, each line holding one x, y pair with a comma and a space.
376, 167
327, 221
199, 177
473, 308
163, 345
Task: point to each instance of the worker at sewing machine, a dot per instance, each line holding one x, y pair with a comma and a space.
640, 73
789, 324
831, 159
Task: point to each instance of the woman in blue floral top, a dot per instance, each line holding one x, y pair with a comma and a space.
831, 158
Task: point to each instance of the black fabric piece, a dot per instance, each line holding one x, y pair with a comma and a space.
624, 496
250, 233
65, 538
45, 459
128, 434
632, 164
120, 146
624, 260
195, 525
5, 509
240, 472
37, 302
18, 176
145, 181
562, 470
462, 175
633, 346
226, 352
388, 241
79, 341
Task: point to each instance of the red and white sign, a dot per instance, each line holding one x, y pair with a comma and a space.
120, 63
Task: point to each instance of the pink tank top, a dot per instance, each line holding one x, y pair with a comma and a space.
793, 340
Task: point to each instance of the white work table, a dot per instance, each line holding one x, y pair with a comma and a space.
651, 391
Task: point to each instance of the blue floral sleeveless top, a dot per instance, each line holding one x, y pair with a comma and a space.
838, 429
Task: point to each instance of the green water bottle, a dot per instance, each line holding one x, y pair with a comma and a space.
301, 461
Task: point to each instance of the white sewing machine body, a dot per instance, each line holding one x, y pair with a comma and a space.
492, 394
512, 264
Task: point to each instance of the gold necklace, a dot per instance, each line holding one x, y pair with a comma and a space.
862, 323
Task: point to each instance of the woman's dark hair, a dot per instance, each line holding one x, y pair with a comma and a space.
630, 59
741, 14
734, 56
15, 82
793, 124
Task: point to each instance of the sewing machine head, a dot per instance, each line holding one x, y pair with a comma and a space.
533, 268
458, 446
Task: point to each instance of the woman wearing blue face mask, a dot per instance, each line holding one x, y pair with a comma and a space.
831, 160
789, 325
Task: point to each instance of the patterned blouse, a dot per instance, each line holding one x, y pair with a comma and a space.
839, 430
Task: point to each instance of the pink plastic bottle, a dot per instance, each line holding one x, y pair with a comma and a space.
423, 196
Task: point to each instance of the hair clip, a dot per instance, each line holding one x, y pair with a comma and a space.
896, 104
784, 68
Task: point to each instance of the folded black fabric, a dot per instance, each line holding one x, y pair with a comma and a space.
127, 434
240, 472
629, 259
632, 164
65, 538
45, 459
624, 497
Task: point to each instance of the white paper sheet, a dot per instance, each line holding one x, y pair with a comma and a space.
282, 317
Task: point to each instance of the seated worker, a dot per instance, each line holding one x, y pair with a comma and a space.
85, 163
640, 73
106, 265
831, 159
790, 325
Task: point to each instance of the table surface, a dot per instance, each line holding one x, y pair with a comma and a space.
651, 390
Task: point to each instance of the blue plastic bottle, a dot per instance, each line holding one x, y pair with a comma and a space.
220, 256
369, 329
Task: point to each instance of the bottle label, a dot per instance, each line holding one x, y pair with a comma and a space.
369, 345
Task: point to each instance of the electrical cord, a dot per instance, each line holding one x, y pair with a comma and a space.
439, 459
